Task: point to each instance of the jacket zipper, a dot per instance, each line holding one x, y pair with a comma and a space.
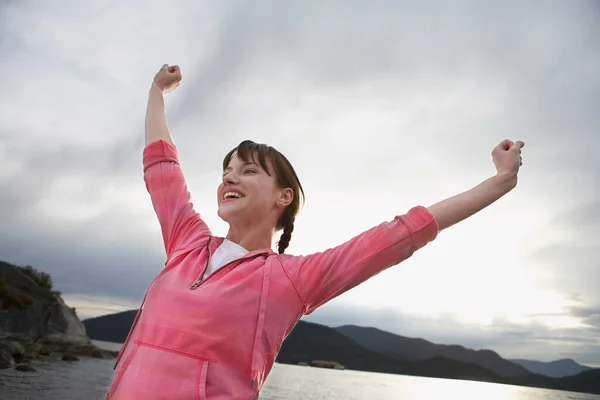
201, 280
198, 282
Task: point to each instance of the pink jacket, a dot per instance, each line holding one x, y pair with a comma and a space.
218, 338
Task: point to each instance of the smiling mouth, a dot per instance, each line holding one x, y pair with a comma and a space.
232, 195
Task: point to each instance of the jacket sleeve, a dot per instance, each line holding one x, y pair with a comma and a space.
181, 226
323, 276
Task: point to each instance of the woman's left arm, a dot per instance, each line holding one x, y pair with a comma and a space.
507, 159
320, 277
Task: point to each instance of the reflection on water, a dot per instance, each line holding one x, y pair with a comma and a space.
296, 383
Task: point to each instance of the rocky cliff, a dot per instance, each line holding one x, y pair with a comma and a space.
35, 321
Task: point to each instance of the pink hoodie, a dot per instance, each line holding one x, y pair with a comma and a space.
218, 338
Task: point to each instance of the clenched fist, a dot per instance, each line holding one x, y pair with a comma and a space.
507, 157
167, 78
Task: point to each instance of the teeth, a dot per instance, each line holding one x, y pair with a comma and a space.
230, 195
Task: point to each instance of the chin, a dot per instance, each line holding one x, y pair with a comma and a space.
227, 213
223, 214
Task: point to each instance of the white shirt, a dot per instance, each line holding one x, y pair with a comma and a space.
227, 252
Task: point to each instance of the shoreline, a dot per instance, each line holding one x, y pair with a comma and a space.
22, 355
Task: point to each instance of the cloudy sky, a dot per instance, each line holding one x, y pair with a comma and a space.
380, 105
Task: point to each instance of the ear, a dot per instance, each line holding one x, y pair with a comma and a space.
285, 197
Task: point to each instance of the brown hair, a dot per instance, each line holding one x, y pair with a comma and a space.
249, 151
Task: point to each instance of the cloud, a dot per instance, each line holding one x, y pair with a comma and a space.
570, 262
379, 107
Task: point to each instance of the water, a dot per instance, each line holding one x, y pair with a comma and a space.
90, 379
295, 383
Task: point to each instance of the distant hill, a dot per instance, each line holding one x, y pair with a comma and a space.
556, 369
584, 382
110, 328
309, 341
419, 349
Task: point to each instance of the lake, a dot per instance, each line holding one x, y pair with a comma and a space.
90, 379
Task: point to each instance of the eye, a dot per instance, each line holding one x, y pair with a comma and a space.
249, 171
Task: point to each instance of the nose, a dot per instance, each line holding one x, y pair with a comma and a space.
230, 178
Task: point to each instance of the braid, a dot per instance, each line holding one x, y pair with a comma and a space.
286, 236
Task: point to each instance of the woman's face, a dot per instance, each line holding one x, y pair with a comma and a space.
248, 193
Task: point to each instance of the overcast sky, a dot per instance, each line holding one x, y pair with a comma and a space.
380, 106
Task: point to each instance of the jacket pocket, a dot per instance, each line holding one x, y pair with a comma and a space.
157, 372
201, 382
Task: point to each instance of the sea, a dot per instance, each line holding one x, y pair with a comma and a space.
89, 379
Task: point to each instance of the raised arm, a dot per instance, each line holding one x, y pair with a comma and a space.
507, 159
323, 276
166, 80
182, 227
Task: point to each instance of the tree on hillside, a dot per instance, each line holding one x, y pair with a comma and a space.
43, 279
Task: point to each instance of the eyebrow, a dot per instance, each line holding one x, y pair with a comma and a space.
244, 165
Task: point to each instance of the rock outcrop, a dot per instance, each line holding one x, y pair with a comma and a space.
35, 322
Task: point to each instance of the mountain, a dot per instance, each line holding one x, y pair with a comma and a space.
556, 369
419, 349
584, 382
110, 328
309, 341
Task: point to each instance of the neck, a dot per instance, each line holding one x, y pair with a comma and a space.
252, 236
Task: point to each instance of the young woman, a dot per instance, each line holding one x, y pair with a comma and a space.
213, 320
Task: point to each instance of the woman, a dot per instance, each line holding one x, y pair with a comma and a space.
213, 320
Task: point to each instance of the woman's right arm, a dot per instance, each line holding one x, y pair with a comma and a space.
181, 226
156, 120
166, 80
